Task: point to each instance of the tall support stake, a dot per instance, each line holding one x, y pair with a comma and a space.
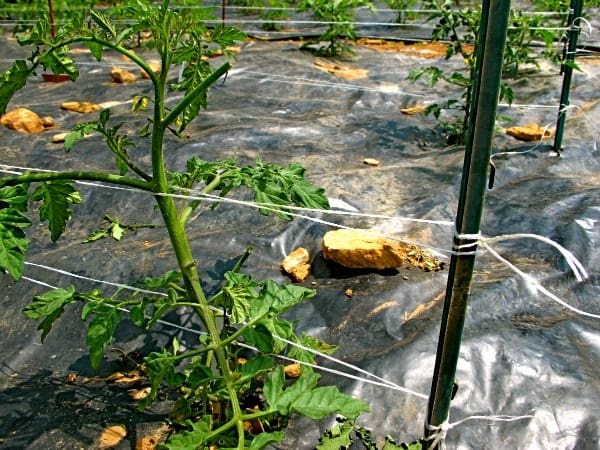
486, 90
566, 69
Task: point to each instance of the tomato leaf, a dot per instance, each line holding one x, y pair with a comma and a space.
101, 330
13, 241
49, 306
57, 198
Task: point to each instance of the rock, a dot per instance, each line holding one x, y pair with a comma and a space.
364, 249
22, 119
529, 133
81, 107
47, 121
296, 264
412, 110
122, 75
154, 66
59, 138
371, 161
293, 370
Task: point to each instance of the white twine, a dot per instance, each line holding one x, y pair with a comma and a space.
377, 381
577, 268
440, 431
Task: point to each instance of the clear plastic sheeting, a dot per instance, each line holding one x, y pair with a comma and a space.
522, 353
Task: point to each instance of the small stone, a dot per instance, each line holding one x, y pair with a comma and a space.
72, 378
22, 119
371, 161
412, 110
58, 138
292, 370
529, 133
155, 67
122, 75
296, 264
47, 121
81, 107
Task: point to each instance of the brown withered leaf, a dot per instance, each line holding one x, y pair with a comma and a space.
111, 436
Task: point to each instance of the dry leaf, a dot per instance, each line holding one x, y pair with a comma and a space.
140, 394
111, 436
341, 71
146, 443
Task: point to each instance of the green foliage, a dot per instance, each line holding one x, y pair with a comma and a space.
460, 27
113, 228
49, 307
13, 241
340, 27
306, 398
57, 198
214, 377
272, 184
401, 6
345, 433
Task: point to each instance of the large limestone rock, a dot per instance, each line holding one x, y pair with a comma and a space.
529, 133
23, 119
363, 249
119, 75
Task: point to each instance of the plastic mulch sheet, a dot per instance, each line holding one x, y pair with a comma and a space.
522, 353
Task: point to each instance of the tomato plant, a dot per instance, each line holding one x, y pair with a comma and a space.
211, 379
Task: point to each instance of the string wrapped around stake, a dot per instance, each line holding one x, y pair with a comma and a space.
440, 432
474, 239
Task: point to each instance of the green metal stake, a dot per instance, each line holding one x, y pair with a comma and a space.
575, 10
482, 116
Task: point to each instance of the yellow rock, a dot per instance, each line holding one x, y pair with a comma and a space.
412, 110
529, 133
58, 138
361, 249
81, 107
293, 370
22, 119
122, 75
371, 161
296, 264
364, 249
